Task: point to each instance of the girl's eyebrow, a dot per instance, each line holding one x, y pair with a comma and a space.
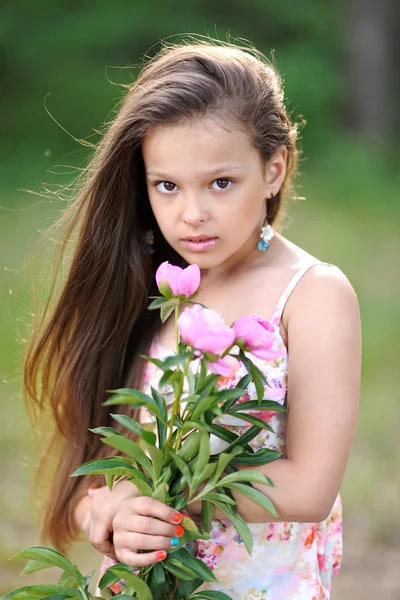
214, 172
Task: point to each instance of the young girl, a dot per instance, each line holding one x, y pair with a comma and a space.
195, 168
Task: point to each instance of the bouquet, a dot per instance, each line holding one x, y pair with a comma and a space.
174, 462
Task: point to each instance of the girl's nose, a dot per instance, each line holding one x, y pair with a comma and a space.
193, 212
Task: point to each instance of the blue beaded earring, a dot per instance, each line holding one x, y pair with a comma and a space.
267, 233
149, 240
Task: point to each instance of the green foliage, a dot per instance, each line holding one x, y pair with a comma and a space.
170, 467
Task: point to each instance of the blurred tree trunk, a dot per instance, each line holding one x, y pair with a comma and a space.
370, 69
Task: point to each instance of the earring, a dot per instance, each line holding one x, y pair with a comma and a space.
267, 233
149, 239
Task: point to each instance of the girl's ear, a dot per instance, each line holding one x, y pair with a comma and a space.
275, 171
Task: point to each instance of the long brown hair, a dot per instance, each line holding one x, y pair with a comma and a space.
90, 339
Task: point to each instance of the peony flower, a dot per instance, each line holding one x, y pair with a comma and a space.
230, 366
226, 367
257, 336
180, 282
205, 330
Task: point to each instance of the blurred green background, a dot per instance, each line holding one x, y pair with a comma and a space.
61, 63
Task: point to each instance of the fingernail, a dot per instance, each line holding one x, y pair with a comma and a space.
161, 555
179, 531
177, 518
174, 542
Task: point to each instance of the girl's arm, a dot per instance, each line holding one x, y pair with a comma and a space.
323, 326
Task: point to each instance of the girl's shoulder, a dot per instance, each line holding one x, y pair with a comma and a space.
309, 283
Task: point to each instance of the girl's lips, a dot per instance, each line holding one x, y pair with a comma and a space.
199, 246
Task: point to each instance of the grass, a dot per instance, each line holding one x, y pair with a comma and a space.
352, 224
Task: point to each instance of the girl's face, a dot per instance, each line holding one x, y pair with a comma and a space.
207, 187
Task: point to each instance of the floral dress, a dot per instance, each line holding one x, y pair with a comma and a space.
289, 561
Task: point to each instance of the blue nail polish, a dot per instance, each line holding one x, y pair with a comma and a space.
174, 542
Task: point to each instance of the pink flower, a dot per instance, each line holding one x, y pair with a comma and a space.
181, 282
204, 329
227, 367
257, 336
230, 366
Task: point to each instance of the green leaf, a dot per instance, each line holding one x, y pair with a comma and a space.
189, 525
224, 458
129, 447
123, 597
246, 475
67, 580
231, 394
261, 457
56, 597
206, 474
257, 496
252, 419
197, 566
42, 591
190, 446
179, 571
242, 440
52, 558
16, 592
158, 301
186, 588
257, 376
156, 361
114, 465
238, 523
170, 377
231, 400
256, 405
106, 431
133, 581
109, 480
157, 459
161, 423
194, 425
109, 578
207, 514
207, 385
210, 595
229, 436
142, 486
34, 565
135, 428
191, 381
180, 565
166, 310
158, 576
215, 496
177, 359
134, 397
161, 491
182, 466
204, 404
203, 456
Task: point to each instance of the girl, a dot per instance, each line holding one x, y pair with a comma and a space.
194, 168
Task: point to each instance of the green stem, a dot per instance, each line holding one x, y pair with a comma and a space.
176, 328
176, 404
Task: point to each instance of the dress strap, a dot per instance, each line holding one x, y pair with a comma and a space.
277, 314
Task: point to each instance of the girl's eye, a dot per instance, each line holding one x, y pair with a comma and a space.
165, 186
222, 184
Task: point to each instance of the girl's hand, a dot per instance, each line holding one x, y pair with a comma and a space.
142, 523
98, 522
